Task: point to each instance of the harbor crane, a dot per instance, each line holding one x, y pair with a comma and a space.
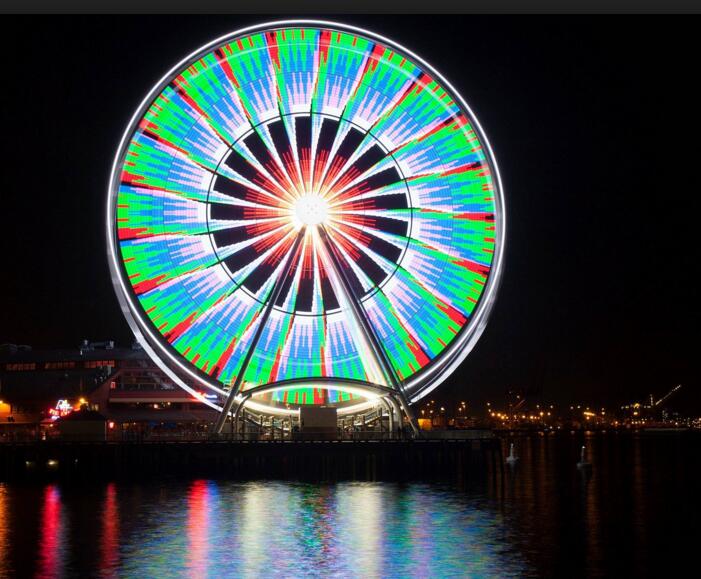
666, 396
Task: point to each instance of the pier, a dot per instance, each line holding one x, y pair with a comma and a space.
308, 460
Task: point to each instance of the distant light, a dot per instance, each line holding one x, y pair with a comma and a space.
63, 408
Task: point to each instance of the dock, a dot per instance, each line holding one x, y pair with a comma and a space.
304, 460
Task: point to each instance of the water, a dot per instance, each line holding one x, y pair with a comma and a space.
634, 514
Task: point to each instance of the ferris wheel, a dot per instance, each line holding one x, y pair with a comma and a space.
304, 212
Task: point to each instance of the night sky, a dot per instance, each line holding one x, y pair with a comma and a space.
594, 126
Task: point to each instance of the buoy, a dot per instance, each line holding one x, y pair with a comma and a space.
512, 458
583, 463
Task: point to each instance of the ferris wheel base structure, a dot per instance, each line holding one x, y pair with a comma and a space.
312, 225
392, 402
304, 212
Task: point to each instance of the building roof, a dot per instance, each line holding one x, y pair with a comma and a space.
31, 377
83, 416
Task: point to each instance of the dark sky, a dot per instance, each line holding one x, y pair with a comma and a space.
594, 125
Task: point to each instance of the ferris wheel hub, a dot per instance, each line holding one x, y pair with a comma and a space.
310, 209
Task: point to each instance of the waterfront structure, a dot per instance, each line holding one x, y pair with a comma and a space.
39, 387
305, 213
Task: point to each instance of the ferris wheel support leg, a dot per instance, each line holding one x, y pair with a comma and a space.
267, 309
359, 313
396, 412
410, 415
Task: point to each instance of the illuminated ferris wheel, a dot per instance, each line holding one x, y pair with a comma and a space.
305, 213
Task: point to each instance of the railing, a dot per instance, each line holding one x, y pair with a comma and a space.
28, 436
267, 435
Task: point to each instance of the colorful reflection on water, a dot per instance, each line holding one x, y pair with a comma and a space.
543, 517
213, 528
51, 541
4, 514
109, 539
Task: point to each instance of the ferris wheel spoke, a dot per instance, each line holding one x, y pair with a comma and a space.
303, 138
252, 172
267, 255
325, 149
284, 138
335, 146
366, 157
245, 210
365, 239
284, 152
225, 191
289, 291
304, 287
256, 259
390, 201
262, 241
361, 251
246, 231
320, 304
396, 226
361, 272
379, 180
267, 157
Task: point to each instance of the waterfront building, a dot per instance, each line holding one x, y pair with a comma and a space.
122, 384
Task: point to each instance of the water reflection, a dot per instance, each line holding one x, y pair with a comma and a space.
4, 531
199, 503
109, 543
362, 543
214, 529
51, 543
542, 518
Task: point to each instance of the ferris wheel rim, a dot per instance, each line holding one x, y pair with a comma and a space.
418, 384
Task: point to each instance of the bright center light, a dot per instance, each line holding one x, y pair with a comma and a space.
311, 209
